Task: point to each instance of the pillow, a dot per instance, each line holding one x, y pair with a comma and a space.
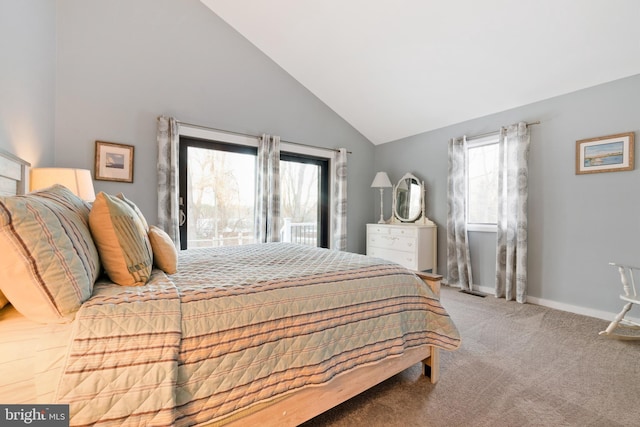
165, 254
49, 261
3, 300
123, 244
135, 209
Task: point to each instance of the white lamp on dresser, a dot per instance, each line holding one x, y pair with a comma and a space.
381, 181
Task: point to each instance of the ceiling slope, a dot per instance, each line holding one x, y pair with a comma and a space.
396, 68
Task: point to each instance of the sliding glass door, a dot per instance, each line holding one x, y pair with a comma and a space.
217, 195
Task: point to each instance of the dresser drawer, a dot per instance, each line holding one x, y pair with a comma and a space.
406, 259
378, 229
404, 232
390, 241
393, 231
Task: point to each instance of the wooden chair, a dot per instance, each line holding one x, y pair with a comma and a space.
619, 326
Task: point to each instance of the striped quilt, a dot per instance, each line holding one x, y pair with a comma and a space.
238, 327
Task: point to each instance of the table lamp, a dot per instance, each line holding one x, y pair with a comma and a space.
381, 181
77, 180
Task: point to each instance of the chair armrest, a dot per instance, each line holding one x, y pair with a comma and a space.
624, 266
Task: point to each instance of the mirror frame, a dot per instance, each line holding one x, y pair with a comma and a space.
420, 217
420, 213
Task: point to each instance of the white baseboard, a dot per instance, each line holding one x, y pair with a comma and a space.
598, 314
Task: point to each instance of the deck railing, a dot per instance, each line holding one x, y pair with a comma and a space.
224, 239
304, 233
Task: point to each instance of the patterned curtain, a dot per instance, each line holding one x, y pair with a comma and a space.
267, 216
168, 208
339, 201
458, 257
513, 188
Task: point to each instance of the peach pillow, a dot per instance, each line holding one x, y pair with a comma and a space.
165, 254
3, 300
122, 241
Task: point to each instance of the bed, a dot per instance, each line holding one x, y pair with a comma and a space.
269, 334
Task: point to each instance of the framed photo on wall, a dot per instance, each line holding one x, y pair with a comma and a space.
613, 153
114, 162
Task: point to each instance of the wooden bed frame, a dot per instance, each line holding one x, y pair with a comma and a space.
14, 174
309, 402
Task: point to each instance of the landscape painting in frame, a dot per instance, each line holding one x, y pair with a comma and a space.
114, 162
612, 153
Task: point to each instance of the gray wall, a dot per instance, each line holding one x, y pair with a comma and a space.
577, 223
27, 76
121, 64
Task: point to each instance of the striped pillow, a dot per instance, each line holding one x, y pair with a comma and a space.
122, 241
135, 208
49, 261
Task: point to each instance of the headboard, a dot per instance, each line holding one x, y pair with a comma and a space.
13, 174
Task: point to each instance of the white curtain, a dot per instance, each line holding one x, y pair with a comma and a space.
339, 201
168, 208
267, 216
458, 256
513, 190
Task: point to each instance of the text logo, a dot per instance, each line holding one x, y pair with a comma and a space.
34, 415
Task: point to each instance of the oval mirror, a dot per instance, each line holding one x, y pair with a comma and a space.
408, 198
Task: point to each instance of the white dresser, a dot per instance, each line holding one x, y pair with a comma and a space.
411, 245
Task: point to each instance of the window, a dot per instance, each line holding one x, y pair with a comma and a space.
217, 194
217, 188
482, 184
304, 199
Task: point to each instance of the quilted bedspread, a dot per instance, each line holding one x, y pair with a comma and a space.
239, 327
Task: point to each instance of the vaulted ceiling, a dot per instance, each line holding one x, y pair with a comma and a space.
396, 68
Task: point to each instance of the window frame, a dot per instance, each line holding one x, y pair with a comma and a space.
208, 136
476, 143
323, 181
184, 144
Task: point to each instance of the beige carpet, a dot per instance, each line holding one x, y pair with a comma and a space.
519, 365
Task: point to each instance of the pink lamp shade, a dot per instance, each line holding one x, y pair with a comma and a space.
77, 180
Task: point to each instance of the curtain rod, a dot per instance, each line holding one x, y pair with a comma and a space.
495, 132
255, 136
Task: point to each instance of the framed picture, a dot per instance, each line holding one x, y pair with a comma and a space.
114, 162
612, 153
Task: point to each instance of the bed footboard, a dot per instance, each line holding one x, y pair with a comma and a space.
306, 404
309, 402
431, 280
432, 363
